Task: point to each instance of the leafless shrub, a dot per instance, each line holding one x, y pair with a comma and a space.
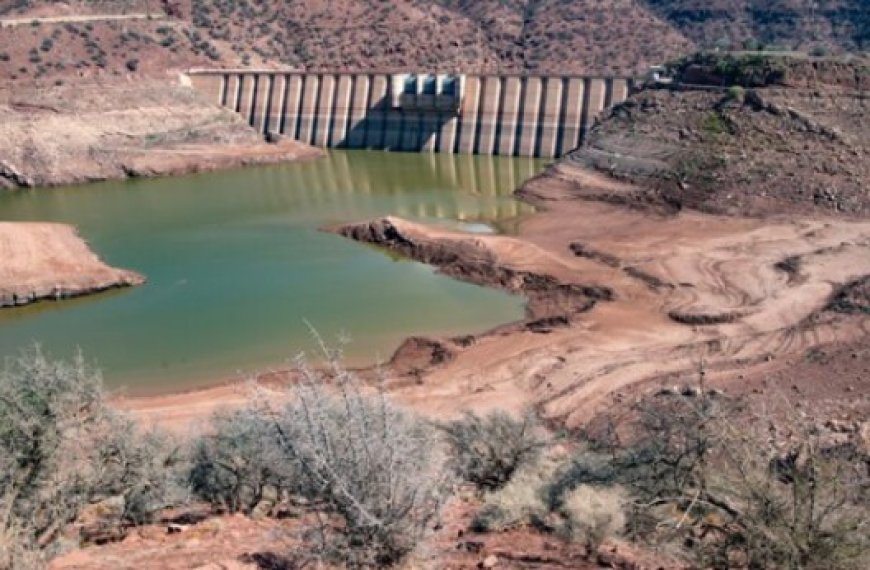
488, 450
372, 473
733, 489
784, 496
61, 448
374, 466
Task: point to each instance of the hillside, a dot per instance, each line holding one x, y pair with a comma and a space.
790, 137
583, 36
829, 25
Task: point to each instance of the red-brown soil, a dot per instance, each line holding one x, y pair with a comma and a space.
582, 36
80, 133
799, 144
50, 261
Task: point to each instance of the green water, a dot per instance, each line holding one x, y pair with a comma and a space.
236, 264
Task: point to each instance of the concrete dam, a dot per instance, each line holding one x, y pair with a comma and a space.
512, 115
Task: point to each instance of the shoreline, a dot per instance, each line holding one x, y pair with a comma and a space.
668, 279
49, 262
117, 130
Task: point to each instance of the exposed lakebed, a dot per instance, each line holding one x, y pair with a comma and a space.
236, 264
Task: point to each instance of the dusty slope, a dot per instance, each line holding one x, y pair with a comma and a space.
581, 36
50, 261
76, 134
795, 139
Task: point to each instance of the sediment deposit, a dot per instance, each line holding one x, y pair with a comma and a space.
42, 261
83, 133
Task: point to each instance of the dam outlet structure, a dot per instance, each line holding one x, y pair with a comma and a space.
511, 115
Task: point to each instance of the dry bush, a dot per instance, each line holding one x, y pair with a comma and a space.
783, 495
732, 489
61, 449
372, 473
593, 514
374, 466
240, 464
522, 501
488, 450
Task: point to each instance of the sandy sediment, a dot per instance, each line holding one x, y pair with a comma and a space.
50, 261
621, 300
83, 133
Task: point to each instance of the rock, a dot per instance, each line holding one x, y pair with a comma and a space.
273, 138
863, 437
490, 561
840, 426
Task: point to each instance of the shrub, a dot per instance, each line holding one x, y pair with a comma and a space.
593, 514
761, 492
736, 93
521, 501
132, 65
371, 464
240, 463
372, 472
488, 450
61, 448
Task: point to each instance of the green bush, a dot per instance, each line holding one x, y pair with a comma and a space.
240, 463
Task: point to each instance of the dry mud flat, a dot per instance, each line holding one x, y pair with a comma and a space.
621, 301
50, 261
680, 289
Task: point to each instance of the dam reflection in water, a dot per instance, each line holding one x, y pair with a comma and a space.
433, 187
235, 264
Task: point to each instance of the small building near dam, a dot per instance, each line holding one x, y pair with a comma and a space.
514, 115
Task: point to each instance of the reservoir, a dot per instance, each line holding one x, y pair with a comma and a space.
237, 265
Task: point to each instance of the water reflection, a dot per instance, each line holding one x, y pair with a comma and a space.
235, 262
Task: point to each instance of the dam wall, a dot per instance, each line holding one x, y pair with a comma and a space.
512, 115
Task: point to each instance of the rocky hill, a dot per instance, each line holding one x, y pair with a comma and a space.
580, 36
787, 135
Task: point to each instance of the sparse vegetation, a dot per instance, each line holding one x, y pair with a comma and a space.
371, 471
488, 450
61, 449
726, 494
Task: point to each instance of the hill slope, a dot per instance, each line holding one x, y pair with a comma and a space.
833, 25
576, 36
